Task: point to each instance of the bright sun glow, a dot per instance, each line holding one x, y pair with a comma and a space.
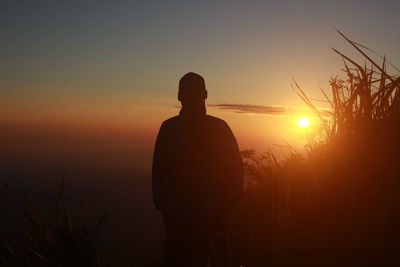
303, 122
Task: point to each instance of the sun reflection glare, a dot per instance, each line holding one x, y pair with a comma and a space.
303, 122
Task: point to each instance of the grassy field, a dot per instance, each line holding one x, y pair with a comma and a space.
338, 204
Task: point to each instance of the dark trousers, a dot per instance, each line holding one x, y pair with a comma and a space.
195, 241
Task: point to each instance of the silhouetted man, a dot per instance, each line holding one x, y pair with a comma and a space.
197, 178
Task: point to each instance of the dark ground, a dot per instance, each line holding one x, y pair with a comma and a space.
103, 171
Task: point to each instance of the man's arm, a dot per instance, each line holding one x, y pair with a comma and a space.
234, 168
159, 168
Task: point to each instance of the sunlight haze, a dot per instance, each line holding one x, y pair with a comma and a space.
103, 65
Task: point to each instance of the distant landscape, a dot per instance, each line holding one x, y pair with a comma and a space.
106, 171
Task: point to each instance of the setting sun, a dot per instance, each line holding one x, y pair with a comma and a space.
303, 122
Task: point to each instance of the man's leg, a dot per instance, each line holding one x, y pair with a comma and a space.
177, 242
186, 244
211, 242
218, 244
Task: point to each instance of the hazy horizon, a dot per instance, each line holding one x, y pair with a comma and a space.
117, 66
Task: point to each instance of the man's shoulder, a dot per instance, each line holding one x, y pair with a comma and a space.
176, 120
216, 120
171, 122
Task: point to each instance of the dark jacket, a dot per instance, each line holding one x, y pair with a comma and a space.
197, 168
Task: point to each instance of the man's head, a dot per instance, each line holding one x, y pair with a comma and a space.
192, 89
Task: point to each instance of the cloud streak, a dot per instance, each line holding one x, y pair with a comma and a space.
269, 110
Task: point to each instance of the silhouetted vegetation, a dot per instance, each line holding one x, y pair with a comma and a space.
62, 238
337, 204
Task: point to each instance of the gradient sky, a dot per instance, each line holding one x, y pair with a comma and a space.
118, 62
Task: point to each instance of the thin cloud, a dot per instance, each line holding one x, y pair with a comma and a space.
269, 110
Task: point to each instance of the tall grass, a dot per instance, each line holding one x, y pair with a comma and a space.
64, 239
338, 204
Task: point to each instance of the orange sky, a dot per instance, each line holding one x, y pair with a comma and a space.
116, 66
